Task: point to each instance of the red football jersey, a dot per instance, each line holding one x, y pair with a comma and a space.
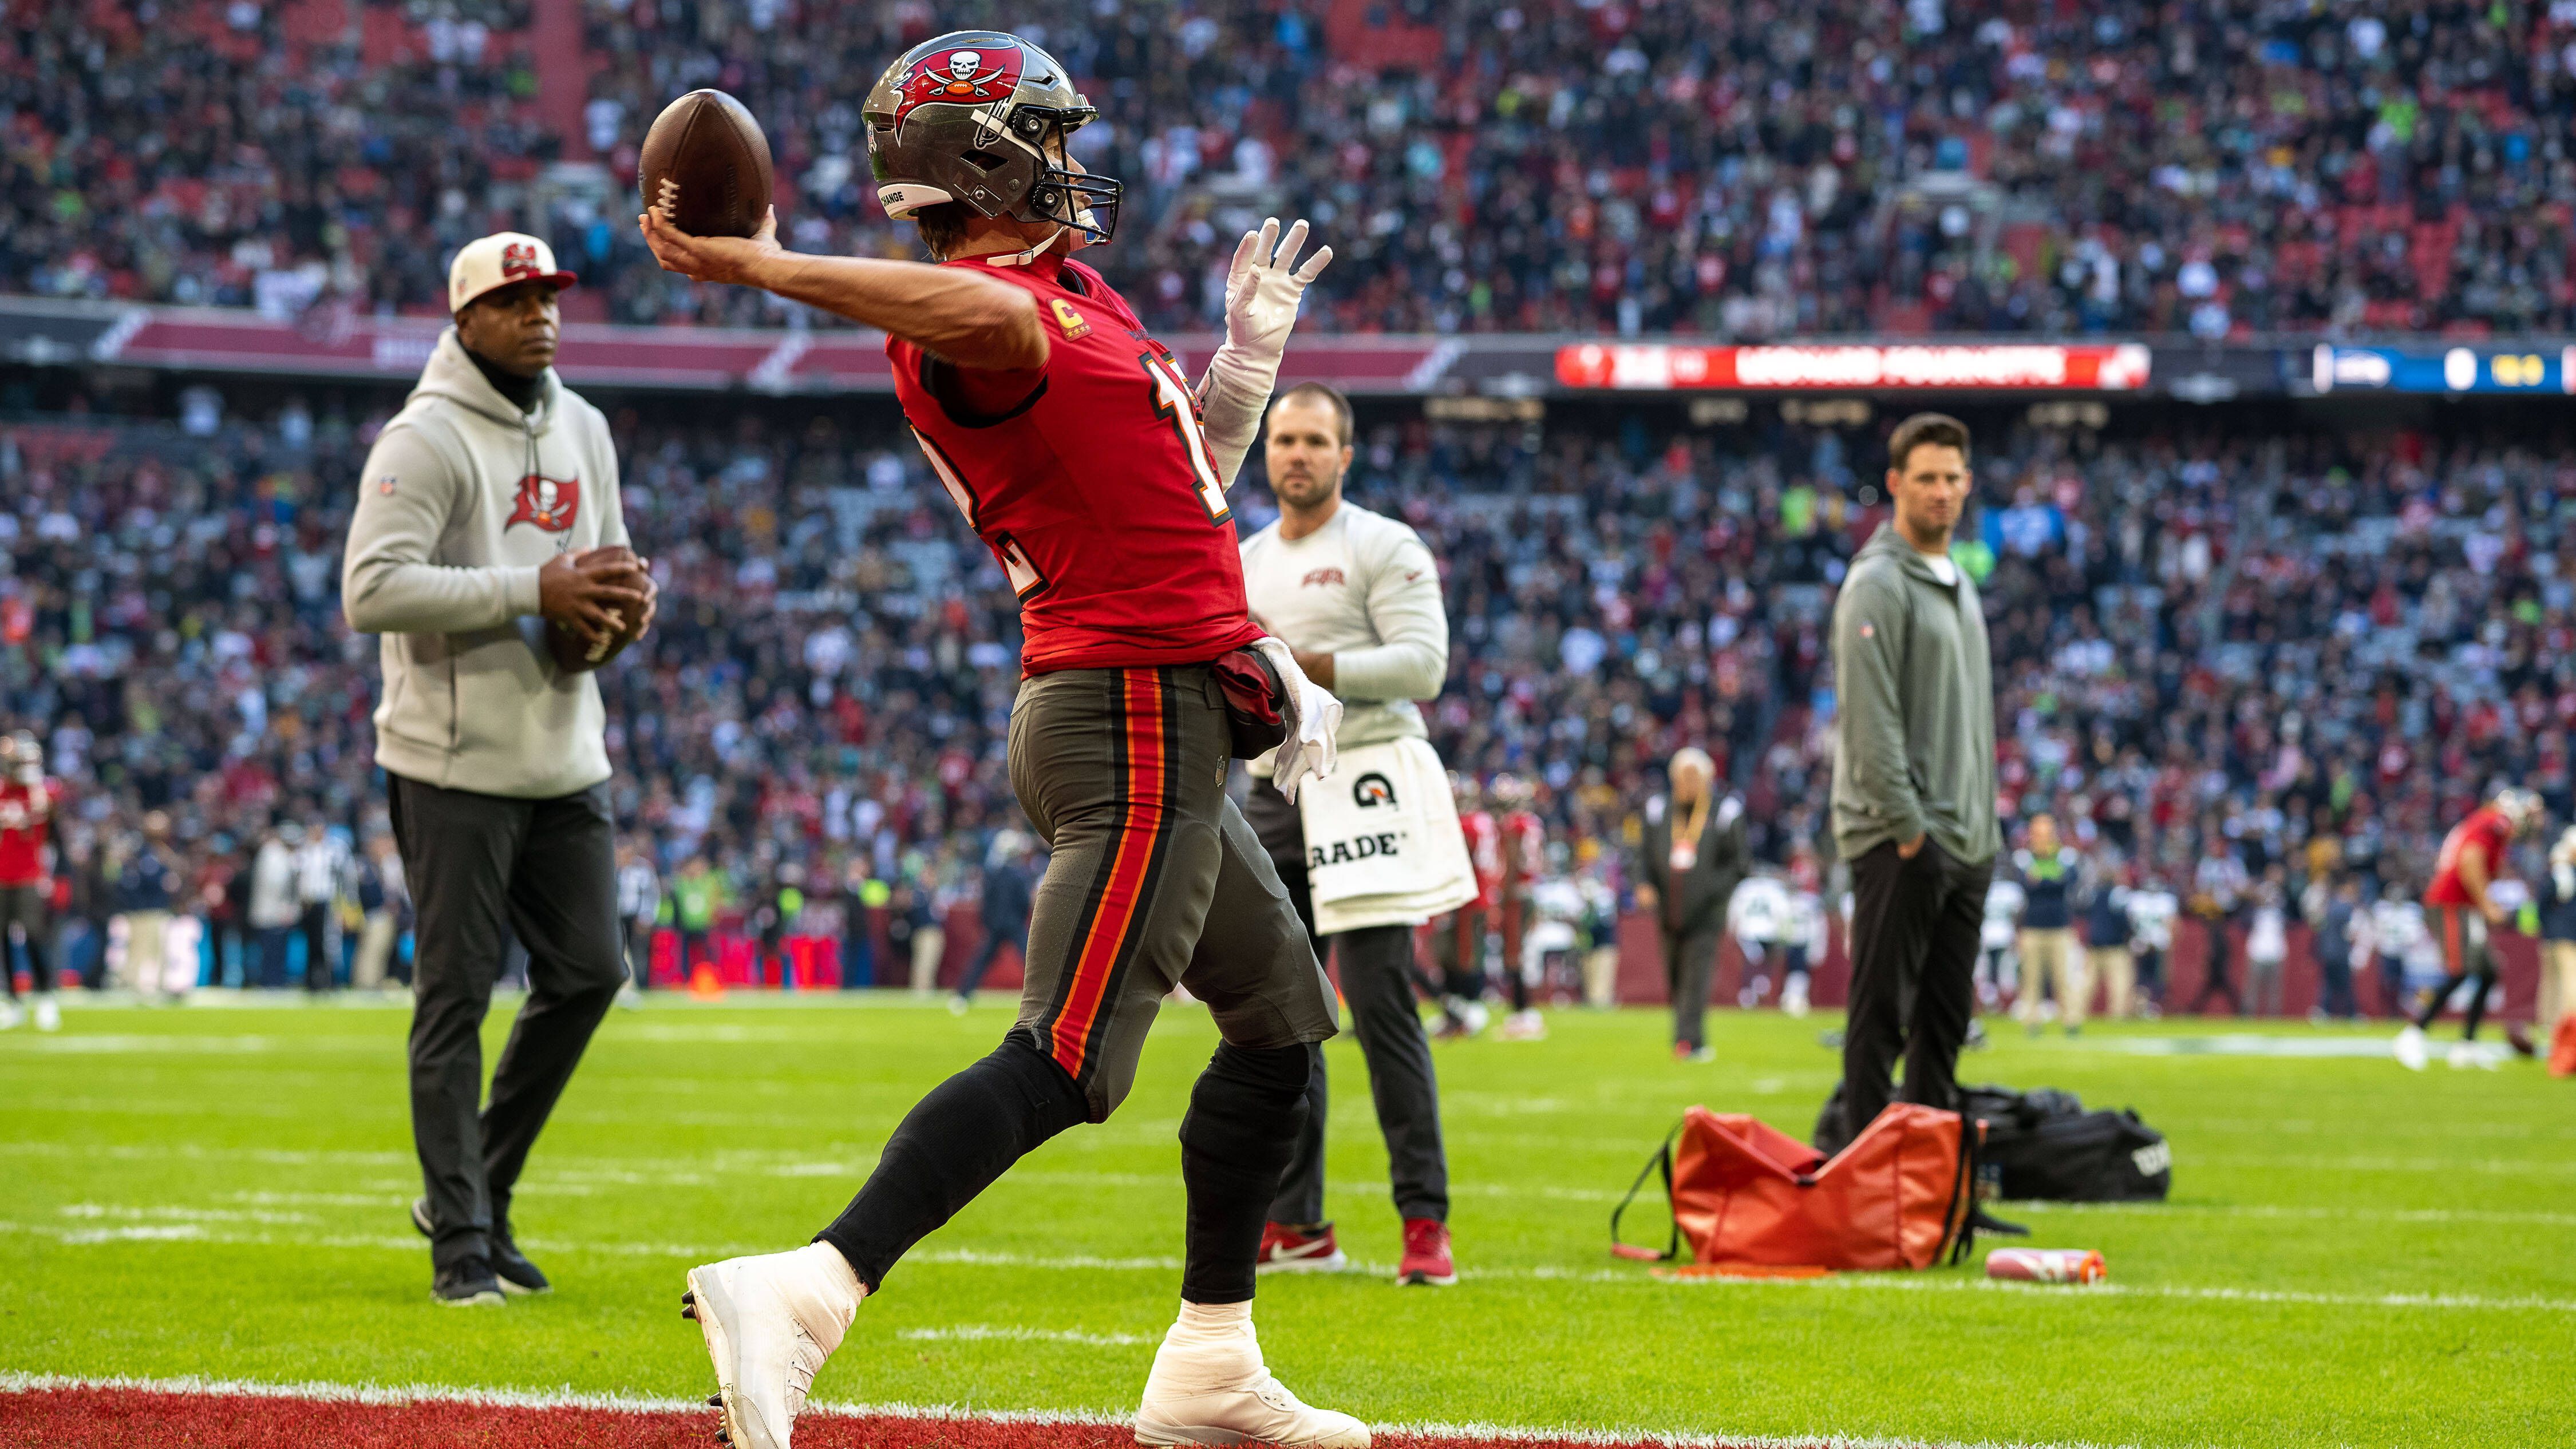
1099, 493
1485, 849
26, 812
1524, 848
2488, 830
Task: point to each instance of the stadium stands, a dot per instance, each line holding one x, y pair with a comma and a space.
2277, 642
1750, 170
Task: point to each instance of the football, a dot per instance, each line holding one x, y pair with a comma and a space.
705, 162
572, 654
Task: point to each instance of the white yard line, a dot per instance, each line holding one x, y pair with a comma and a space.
200, 1232
637, 1404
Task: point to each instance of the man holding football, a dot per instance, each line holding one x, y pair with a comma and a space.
489, 551
1097, 475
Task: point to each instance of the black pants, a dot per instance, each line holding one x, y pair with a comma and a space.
1377, 981
639, 952
1690, 969
995, 938
1914, 958
2218, 983
23, 906
2334, 969
315, 924
2465, 958
481, 868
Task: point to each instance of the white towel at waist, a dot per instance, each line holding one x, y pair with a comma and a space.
1383, 847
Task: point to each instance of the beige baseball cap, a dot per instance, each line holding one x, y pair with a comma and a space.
497, 261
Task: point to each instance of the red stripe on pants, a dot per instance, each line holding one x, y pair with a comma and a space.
1140, 820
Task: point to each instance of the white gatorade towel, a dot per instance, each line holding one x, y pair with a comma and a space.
1383, 846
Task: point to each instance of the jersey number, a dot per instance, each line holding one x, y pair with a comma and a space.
1025, 579
1173, 400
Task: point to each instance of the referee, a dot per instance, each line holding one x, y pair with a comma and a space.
1357, 597
477, 517
1914, 781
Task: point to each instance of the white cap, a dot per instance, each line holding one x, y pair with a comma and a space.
497, 261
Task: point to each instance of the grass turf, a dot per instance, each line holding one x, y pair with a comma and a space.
2354, 1254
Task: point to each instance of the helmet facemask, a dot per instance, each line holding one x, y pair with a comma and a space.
1076, 200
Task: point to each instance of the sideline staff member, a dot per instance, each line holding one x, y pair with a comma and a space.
1357, 597
1914, 780
477, 516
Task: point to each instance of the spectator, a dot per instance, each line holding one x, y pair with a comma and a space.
2267, 943
696, 895
863, 902
2108, 955
2048, 870
2218, 893
2152, 910
1010, 890
147, 886
274, 900
318, 863
2337, 947
1690, 861
383, 902
2558, 938
639, 906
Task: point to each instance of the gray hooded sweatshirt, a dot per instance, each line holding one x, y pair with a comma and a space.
1914, 725
464, 497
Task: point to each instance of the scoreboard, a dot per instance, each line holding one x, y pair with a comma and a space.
2333, 368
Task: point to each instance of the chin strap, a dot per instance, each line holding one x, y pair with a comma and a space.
1022, 259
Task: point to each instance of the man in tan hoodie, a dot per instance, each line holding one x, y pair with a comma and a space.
489, 508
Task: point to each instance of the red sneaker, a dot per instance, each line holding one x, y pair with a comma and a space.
1290, 1250
1426, 1254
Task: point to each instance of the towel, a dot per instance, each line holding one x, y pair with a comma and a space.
1385, 848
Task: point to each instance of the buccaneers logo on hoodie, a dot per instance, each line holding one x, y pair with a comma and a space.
549, 503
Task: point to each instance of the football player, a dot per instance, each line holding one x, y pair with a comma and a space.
1097, 475
2460, 910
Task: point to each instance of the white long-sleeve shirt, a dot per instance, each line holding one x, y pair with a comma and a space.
1363, 589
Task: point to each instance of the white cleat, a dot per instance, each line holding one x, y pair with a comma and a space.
1525, 1026
1209, 1386
49, 1014
12, 1015
2465, 1056
2409, 1049
769, 1323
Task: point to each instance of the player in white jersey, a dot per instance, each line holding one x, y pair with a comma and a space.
1759, 916
2152, 911
1998, 964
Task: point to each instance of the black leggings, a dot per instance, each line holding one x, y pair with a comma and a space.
1242, 1123
2466, 957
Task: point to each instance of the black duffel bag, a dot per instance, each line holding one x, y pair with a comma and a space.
2042, 1146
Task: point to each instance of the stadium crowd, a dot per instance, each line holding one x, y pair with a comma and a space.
2221, 660
1554, 165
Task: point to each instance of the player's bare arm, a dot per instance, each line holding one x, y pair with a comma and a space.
970, 320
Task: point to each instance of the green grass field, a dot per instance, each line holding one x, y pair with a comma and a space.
2354, 1255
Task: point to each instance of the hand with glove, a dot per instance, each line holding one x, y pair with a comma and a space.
1262, 289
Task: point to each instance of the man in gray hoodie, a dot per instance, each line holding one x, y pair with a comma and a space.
488, 509
1914, 780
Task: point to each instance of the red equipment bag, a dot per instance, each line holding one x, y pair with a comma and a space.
1743, 1193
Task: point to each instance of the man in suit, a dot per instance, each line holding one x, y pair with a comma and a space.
1693, 857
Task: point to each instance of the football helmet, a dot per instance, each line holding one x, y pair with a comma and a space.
966, 117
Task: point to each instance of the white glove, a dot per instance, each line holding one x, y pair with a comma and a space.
1262, 289
1314, 719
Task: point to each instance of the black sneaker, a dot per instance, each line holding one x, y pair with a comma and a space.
508, 1264
467, 1284
512, 1267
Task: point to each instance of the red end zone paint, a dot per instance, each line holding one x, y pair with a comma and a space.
134, 1418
